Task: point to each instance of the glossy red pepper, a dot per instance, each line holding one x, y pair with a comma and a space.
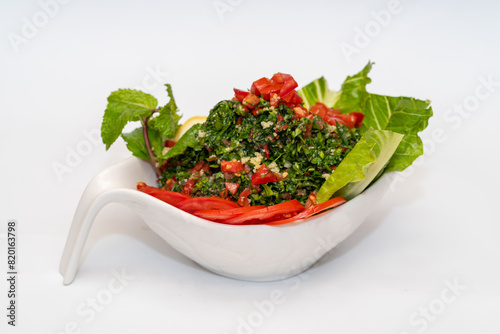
267, 213
205, 203
170, 197
223, 215
312, 210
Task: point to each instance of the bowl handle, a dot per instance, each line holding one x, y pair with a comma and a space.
99, 193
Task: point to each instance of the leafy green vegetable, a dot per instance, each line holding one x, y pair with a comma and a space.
189, 139
167, 121
158, 125
136, 144
124, 105
353, 95
358, 169
403, 115
317, 91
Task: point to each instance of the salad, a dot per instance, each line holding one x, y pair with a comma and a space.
272, 154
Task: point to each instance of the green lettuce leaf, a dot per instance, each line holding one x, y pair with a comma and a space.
353, 94
360, 167
403, 115
317, 91
124, 105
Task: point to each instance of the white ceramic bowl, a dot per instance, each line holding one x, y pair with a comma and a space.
246, 252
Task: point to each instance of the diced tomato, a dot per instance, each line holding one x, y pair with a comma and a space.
267, 213
332, 119
312, 210
265, 147
274, 102
267, 91
309, 126
243, 198
258, 85
280, 77
170, 183
250, 101
231, 167
187, 189
205, 203
353, 119
300, 112
289, 85
223, 194
240, 94
319, 109
281, 119
296, 99
222, 215
359, 118
197, 167
170, 197
232, 187
263, 175
288, 96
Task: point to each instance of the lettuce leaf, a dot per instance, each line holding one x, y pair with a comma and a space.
317, 91
360, 167
406, 116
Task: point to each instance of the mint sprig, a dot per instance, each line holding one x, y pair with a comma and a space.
157, 124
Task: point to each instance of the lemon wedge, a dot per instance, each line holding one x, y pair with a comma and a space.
188, 124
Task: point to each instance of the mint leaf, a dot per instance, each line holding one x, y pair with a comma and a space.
189, 139
136, 144
124, 105
167, 122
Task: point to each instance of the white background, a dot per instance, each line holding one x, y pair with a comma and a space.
438, 227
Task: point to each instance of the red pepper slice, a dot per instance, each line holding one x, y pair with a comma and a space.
205, 203
222, 215
263, 175
231, 167
240, 94
170, 197
312, 210
267, 213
